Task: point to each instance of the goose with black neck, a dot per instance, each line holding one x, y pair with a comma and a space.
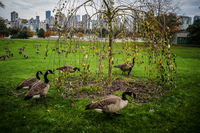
110, 104
39, 89
29, 82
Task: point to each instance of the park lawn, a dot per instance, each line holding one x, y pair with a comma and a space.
175, 111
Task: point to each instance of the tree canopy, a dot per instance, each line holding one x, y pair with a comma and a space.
41, 33
24, 21
3, 28
194, 32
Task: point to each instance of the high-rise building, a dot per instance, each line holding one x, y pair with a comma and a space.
48, 14
86, 22
196, 17
37, 22
72, 21
186, 21
51, 22
78, 18
14, 16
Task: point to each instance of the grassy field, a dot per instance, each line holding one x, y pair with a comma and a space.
176, 111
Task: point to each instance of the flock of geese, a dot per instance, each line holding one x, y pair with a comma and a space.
3, 57
108, 104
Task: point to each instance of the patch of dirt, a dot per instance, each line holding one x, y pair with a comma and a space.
143, 93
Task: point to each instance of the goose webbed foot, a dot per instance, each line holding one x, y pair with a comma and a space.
44, 100
37, 101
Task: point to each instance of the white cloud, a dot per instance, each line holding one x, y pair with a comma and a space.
28, 8
189, 7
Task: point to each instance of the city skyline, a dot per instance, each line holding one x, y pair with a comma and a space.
39, 8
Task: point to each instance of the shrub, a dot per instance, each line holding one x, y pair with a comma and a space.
41, 33
22, 34
80, 34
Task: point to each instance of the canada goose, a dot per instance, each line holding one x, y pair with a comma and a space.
119, 51
126, 66
129, 53
4, 57
26, 56
11, 54
63, 50
29, 82
110, 104
37, 51
20, 48
39, 89
103, 56
5, 47
68, 68
59, 52
8, 51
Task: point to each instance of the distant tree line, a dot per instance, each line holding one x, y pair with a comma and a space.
194, 32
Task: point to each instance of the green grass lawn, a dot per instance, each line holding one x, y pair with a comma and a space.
176, 111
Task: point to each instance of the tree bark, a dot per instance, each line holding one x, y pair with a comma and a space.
110, 54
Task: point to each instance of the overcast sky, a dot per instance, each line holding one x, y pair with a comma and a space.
28, 9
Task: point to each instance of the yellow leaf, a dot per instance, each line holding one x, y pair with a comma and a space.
102, 16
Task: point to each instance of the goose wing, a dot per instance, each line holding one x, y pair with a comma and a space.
38, 88
103, 103
28, 82
120, 66
66, 68
123, 67
110, 96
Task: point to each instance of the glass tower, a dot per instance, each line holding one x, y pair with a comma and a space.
48, 14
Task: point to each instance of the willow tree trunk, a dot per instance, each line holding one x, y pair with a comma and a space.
110, 53
109, 16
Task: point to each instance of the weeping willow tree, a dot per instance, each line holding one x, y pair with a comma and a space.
160, 62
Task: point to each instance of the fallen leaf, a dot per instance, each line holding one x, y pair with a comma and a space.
175, 127
72, 104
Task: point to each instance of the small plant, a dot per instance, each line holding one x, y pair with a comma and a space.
94, 89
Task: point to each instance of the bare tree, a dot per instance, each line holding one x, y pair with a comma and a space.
113, 10
163, 6
110, 11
